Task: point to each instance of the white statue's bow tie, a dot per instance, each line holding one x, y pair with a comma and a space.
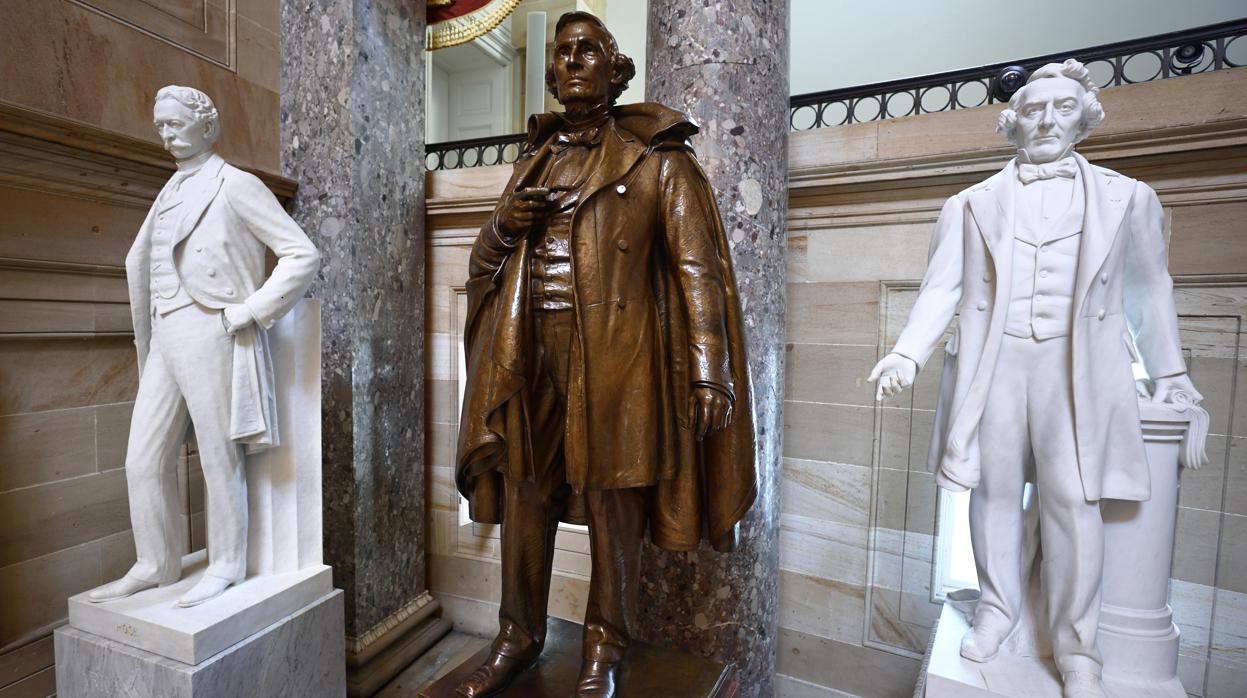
1065, 168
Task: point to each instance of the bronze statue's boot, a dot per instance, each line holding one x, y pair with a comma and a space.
597, 679
491, 677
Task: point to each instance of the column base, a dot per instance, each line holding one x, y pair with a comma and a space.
299, 655
1140, 646
949, 675
369, 670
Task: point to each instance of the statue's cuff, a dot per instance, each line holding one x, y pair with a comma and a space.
498, 242
708, 364
725, 390
260, 318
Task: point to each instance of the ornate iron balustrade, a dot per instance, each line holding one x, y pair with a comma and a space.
474, 152
1200, 50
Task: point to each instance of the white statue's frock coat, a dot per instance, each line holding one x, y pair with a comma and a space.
224, 228
214, 229
1123, 299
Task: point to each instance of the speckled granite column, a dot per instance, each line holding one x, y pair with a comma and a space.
352, 123
726, 64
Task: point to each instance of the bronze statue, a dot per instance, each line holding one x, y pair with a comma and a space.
607, 381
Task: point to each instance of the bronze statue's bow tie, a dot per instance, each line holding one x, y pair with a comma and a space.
585, 138
1065, 168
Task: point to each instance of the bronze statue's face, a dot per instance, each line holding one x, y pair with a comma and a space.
582, 65
182, 133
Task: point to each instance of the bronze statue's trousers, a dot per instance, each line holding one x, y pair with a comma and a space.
531, 517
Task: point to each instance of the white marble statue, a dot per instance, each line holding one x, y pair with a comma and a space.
201, 305
1057, 269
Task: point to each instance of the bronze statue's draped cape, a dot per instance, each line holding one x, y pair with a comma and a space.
647, 247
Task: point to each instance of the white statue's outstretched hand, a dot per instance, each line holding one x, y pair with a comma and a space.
1176, 389
894, 373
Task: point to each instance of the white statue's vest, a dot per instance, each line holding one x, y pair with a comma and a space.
1045, 265
168, 294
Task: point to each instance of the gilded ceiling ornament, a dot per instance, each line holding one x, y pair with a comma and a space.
454, 22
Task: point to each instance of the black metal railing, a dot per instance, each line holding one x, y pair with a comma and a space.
474, 152
1189, 52
1201, 50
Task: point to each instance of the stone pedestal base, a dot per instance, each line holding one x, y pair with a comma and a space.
151, 620
300, 655
949, 675
1140, 646
648, 671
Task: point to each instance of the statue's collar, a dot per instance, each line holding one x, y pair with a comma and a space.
647, 122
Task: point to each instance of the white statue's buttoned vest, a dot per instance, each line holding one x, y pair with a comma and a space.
168, 293
1045, 267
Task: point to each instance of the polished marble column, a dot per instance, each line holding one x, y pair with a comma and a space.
352, 125
726, 64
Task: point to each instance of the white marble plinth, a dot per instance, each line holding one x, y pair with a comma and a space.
301, 655
949, 675
284, 483
151, 620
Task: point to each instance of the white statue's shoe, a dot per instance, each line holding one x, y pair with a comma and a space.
119, 589
980, 644
1081, 684
207, 588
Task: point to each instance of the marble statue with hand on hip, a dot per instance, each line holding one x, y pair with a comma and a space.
201, 305
1057, 269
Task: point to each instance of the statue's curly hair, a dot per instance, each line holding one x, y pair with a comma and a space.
1092, 110
199, 103
622, 66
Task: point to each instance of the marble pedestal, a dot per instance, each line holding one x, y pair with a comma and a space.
1137, 636
151, 620
949, 675
300, 655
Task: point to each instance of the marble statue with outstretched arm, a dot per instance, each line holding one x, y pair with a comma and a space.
1056, 271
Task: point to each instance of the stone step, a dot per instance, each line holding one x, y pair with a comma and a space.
449, 652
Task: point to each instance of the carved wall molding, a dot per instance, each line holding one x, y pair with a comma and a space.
1159, 148
49, 153
204, 28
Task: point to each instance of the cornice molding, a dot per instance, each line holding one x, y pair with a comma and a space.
48, 153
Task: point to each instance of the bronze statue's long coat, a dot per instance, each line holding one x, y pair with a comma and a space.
656, 313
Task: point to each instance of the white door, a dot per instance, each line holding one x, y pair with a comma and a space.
480, 102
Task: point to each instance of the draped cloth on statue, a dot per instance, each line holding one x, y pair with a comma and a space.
620, 412
454, 22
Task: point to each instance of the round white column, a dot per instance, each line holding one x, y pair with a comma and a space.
1137, 637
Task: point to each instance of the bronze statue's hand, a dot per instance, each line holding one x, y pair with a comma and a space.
1176, 389
711, 411
523, 210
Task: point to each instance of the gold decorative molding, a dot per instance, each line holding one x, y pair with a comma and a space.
360, 649
466, 27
